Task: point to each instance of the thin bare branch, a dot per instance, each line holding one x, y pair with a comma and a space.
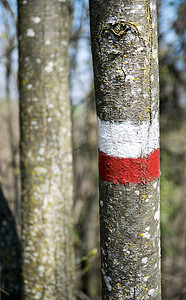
7, 6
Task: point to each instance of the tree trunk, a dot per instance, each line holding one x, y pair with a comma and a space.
10, 254
46, 150
13, 146
125, 59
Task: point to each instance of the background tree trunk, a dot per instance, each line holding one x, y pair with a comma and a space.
10, 254
46, 150
125, 58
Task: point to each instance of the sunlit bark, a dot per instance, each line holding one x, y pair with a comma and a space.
46, 150
125, 58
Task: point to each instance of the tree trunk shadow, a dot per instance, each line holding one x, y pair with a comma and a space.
10, 254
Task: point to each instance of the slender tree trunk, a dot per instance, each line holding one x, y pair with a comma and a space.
125, 58
13, 146
46, 150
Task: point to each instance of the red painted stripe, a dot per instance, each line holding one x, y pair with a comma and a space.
129, 170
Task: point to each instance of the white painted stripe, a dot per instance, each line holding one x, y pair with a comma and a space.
127, 139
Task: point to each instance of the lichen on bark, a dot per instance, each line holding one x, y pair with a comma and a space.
46, 150
125, 60
124, 41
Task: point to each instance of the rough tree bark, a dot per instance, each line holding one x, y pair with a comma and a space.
46, 150
125, 59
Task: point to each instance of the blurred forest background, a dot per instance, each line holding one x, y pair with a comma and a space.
172, 60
